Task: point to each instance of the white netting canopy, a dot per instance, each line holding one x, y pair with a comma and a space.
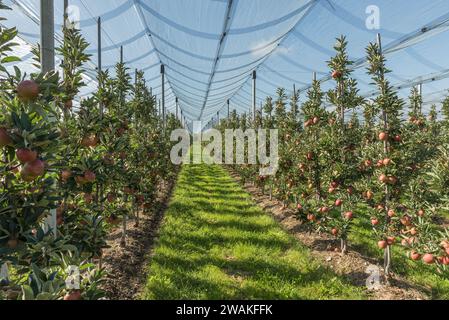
210, 47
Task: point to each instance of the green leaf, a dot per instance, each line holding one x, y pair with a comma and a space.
27, 293
10, 59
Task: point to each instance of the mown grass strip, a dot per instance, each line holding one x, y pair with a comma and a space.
216, 244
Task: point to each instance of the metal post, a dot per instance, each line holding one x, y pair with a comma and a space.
163, 92
420, 97
176, 100
47, 36
254, 94
99, 58
314, 76
65, 15
121, 54
99, 43
218, 117
228, 106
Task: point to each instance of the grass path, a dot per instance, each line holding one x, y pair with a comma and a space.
215, 243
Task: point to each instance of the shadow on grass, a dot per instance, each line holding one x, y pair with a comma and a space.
216, 244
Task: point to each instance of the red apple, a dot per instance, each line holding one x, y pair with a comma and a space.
26, 155
27, 90
5, 139
382, 244
428, 258
383, 136
415, 255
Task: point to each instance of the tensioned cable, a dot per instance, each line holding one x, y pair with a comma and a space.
220, 48
425, 32
144, 23
213, 36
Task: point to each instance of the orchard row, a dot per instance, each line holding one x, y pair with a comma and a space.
371, 160
70, 174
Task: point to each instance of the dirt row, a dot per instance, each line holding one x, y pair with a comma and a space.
352, 266
126, 265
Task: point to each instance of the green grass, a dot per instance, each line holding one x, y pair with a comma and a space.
215, 243
426, 277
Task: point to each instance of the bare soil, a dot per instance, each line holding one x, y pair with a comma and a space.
126, 265
325, 249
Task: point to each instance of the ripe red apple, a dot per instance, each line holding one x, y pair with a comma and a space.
374, 221
311, 217
315, 120
12, 243
334, 231
88, 198
66, 174
73, 295
324, 209
390, 240
89, 176
5, 139
331, 190
413, 231
382, 244
26, 155
391, 213
406, 220
309, 156
397, 138
386, 161
383, 136
336, 74
111, 197
444, 260
338, 202
334, 184
428, 258
392, 180
27, 90
368, 163
383, 178
299, 206
369, 195
420, 213
348, 215
415, 255
32, 170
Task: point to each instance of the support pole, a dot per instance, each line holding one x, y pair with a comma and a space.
228, 102
66, 15
47, 36
254, 94
420, 96
99, 58
99, 43
163, 93
314, 76
176, 100
121, 54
